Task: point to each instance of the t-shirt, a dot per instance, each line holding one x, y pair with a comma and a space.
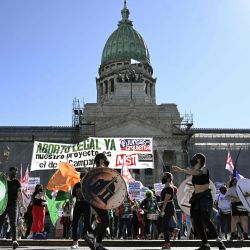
167, 190
77, 192
224, 202
13, 187
152, 205
231, 192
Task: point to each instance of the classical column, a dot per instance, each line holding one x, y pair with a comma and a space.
159, 168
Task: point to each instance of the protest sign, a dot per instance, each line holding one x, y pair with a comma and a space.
136, 153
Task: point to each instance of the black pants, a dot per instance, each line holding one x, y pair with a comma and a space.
81, 207
66, 228
100, 230
12, 212
28, 227
200, 210
169, 213
225, 223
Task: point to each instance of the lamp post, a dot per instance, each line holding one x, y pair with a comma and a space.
6, 154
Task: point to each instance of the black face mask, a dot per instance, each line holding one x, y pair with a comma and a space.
193, 161
106, 163
12, 175
223, 191
164, 180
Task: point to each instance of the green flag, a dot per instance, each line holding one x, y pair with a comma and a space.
55, 203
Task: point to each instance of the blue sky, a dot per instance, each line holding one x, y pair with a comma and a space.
50, 52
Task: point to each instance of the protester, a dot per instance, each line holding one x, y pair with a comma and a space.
151, 212
125, 218
28, 219
201, 200
135, 222
38, 210
65, 220
14, 196
81, 208
167, 208
239, 213
141, 223
223, 204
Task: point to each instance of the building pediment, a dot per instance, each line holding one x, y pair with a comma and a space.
131, 128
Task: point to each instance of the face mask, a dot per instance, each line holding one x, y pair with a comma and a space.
193, 161
106, 163
12, 175
223, 191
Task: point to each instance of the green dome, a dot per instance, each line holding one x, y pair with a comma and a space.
125, 43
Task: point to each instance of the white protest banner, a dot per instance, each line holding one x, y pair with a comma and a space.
158, 188
136, 153
134, 189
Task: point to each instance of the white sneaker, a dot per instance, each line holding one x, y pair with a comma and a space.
75, 246
30, 236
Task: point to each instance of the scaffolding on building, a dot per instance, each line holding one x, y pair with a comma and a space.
77, 112
183, 126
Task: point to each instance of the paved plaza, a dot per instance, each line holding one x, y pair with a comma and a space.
110, 248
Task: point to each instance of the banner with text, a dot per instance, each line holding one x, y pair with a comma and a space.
136, 153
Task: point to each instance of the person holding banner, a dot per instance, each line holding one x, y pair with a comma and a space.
14, 196
201, 200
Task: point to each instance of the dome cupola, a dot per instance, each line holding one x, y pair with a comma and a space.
125, 43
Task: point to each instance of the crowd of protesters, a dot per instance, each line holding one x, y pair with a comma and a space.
154, 217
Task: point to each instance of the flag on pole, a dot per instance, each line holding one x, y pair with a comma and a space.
133, 61
55, 200
229, 163
24, 184
64, 178
231, 167
25, 179
21, 173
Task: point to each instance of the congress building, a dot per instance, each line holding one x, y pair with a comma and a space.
126, 107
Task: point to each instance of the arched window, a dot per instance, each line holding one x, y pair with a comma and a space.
106, 87
151, 89
101, 88
112, 85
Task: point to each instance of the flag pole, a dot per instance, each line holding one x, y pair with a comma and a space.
235, 172
236, 160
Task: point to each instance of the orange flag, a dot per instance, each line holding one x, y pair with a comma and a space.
64, 178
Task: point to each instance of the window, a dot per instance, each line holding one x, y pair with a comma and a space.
112, 85
101, 88
106, 87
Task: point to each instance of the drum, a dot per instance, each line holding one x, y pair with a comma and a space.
3, 192
104, 188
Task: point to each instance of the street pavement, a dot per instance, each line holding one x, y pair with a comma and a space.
110, 248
